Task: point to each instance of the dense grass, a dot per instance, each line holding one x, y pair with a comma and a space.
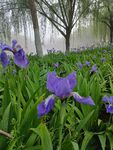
70, 125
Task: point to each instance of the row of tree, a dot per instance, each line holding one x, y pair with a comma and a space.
63, 15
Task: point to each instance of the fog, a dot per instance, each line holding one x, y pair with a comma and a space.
85, 37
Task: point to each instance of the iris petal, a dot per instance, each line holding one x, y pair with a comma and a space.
93, 69
4, 59
41, 109
80, 65
105, 99
109, 108
6, 47
72, 80
49, 103
20, 59
46, 106
56, 65
51, 81
84, 100
87, 63
14, 42
111, 99
62, 88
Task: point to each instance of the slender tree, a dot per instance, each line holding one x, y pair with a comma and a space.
106, 16
4, 23
102, 13
33, 12
63, 14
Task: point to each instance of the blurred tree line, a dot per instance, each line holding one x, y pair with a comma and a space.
64, 15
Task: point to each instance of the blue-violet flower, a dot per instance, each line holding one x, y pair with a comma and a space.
62, 88
19, 55
108, 103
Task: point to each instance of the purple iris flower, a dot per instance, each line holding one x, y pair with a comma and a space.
20, 59
109, 103
14, 42
56, 65
62, 88
104, 51
103, 59
19, 56
80, 65
87, 63
93, 69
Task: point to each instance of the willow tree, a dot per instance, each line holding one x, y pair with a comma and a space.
63, 14
102, 13
5, 26
21, 13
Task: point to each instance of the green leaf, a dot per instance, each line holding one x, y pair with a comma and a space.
75, 146
30, 100
38, 147
110, 137
6, 96
111, 85
83, 122
30, 114
32, 139
44, 134
20, 96
66, 143
102, 139
87, 138
12, 144
5, 119
78, 112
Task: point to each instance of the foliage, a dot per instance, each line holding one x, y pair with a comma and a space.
70, 125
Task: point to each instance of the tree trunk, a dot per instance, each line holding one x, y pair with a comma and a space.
67, 41
33, 12
111, 34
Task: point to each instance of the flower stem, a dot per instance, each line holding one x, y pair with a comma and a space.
62, 114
